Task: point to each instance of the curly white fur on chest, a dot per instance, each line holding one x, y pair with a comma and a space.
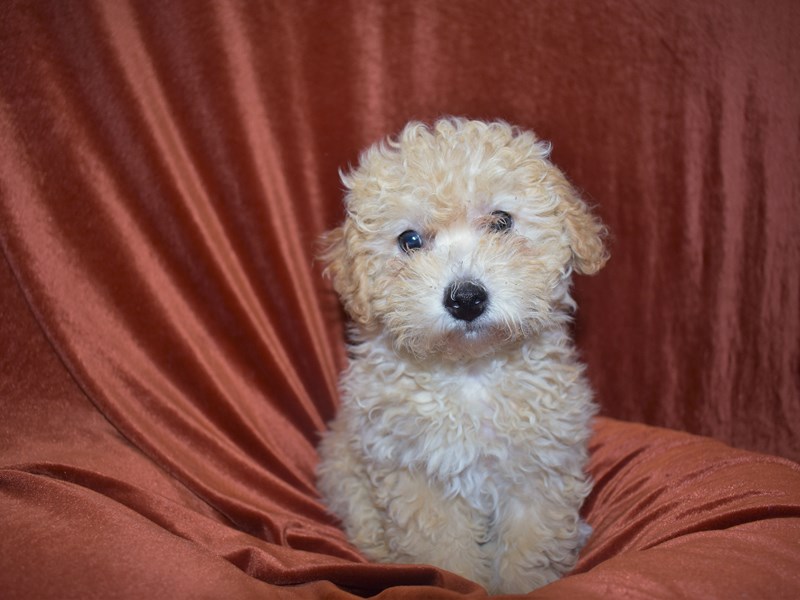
470, 428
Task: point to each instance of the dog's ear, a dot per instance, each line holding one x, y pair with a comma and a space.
585, 231
347, 271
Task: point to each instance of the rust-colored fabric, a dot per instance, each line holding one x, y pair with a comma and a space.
169, 350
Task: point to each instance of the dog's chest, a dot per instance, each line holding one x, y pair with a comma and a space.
480, 406
447, 422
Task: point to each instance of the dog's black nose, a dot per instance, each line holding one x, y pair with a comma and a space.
466, 301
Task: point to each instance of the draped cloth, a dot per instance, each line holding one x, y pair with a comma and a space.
169, 350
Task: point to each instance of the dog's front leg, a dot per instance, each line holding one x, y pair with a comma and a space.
538, 542
344, 482
425, 526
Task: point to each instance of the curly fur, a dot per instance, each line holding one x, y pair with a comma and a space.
462, 443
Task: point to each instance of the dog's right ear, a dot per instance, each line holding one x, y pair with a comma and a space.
347, 271
586, 234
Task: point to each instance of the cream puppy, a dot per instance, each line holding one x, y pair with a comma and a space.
461, 438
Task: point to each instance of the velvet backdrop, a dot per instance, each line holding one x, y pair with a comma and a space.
165, 170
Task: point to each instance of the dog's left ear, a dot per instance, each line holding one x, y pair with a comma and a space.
349, 272
585, 231
333, 254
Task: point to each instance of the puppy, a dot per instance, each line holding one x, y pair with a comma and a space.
461, 438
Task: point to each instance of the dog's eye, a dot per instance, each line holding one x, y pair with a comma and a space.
501, 221
409, 241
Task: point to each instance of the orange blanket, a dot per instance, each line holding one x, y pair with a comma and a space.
169, 351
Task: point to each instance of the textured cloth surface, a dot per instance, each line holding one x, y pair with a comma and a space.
169, 351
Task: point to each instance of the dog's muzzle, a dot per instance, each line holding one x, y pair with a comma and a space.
466, 300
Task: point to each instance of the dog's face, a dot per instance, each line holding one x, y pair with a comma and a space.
460, 239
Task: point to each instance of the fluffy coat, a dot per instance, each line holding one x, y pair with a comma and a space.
461, 438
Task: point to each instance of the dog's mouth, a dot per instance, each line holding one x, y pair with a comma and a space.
481, 335
459, 340
474, 330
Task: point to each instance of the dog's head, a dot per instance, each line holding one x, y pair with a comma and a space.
460, 238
